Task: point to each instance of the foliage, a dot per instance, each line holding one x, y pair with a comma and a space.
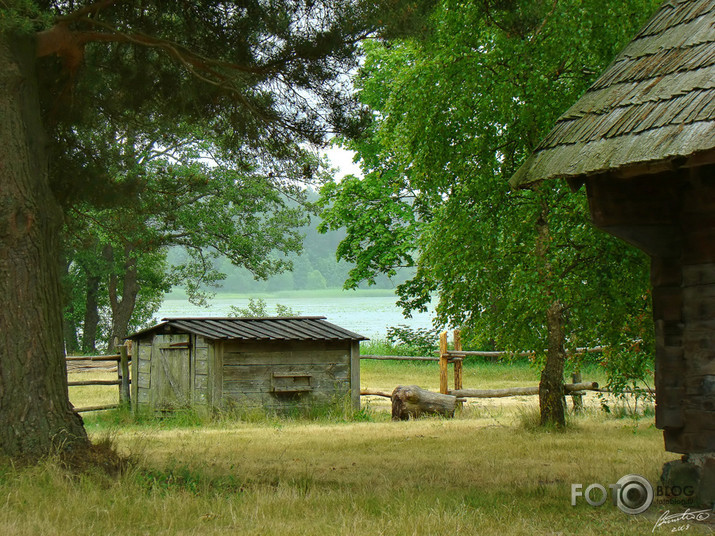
419, 341
103, 80
207, 207
454, 114
258, 308
314, 268
193, 149
87, 283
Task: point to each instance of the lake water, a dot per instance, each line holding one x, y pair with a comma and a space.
367, 315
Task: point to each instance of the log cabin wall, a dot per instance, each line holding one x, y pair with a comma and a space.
698, 315
671, 216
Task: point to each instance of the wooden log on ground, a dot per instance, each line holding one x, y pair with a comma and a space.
413, 401
520, 391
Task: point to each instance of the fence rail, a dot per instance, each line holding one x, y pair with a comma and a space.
455, 357
569, 388
399, 358
122, 359
115, 357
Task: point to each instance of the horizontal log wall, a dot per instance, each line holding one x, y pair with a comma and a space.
671, 216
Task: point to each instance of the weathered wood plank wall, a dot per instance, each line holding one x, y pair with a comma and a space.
281, 376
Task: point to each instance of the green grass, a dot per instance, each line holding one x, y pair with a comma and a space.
487, 471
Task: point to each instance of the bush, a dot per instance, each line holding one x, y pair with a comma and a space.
416, 342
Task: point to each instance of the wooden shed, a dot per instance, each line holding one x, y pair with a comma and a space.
642, 140
276, 363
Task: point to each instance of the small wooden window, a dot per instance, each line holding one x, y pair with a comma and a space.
291, 382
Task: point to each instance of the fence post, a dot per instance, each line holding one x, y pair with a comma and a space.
577, 396
458, 363
123, 371
443, 362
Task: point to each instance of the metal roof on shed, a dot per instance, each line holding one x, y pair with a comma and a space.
293, 328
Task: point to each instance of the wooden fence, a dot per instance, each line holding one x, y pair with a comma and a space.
123, 382
456, 356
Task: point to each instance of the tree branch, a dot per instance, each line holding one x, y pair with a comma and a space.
91, 9
543, 22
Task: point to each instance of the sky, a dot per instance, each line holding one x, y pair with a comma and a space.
342, 159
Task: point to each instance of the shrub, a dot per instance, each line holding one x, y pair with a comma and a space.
417, 341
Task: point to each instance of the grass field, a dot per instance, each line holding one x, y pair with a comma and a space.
487, 471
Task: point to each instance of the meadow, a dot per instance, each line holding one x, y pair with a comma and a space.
489, 470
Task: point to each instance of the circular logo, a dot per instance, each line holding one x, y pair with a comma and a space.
634, 494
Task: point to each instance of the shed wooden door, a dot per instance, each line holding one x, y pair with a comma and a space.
173, 365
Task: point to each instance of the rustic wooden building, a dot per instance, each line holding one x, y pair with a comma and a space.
642, 141
275, 363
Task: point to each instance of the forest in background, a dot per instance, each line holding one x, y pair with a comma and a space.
316, 268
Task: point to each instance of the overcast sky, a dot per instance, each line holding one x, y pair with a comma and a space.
342, 159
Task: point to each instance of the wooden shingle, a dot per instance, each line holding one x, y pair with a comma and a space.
653, 107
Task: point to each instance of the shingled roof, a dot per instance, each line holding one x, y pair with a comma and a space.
294, 328
654, 106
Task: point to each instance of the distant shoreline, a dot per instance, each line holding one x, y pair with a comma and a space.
295, 294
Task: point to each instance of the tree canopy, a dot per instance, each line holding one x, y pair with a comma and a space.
86, 86
454, 113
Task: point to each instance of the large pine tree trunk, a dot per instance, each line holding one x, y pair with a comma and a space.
35, 413
551, 386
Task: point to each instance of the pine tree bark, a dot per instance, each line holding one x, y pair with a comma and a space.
36, 415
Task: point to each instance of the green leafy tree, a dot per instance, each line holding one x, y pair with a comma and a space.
193, 197
99, 283
258, 308
263, 76
455, 113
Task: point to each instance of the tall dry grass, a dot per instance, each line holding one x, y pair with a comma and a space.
431, 476
484, 472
